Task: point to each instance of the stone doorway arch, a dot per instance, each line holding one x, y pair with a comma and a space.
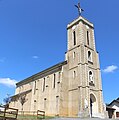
93, 105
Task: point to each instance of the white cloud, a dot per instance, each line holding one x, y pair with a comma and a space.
8, 82
110, 69
35, 57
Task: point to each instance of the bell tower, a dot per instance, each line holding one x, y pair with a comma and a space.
84, 84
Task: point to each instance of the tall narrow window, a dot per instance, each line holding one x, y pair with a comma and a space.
89, 56
91, 76
43, 84
35, 88
57, 105
54, 79
74, 37
19, 89
74, 54
59, 77
88, 42
74, 74
45, 102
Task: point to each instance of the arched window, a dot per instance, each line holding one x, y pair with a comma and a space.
90, 76
74, 37
89, 56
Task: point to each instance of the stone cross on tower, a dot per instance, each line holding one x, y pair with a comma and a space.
79, 9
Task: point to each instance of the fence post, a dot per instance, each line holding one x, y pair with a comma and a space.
4, 113
17, 114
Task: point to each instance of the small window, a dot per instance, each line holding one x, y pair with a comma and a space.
74, 74
89, 56
88, 42
91, 78
74, 55
74, 37
43, 84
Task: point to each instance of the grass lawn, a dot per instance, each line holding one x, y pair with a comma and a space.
7, 115
31, 117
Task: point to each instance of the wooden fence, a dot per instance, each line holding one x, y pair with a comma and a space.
40, 114
8, 113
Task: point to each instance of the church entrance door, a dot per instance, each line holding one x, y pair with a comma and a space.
93, 106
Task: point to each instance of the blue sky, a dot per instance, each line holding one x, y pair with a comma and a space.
33, 37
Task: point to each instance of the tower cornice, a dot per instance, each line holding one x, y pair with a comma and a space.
80, 18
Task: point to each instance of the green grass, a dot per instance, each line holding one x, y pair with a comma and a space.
26, 117
32, 117
7, 115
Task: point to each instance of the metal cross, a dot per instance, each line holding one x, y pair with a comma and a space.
79, 9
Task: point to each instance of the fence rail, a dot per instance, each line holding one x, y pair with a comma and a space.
33, 113
40, 114
8, 113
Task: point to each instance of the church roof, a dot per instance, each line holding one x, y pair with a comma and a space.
117, 101
20, 94
43, 73
109, 108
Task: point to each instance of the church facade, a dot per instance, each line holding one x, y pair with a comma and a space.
71, 88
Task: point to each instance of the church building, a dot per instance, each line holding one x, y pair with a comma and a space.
71, 88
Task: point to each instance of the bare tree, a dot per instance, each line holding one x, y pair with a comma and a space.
22, 100
7, 100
